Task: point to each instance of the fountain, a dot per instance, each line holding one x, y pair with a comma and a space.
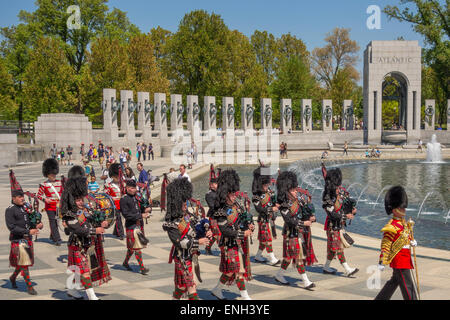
434, 150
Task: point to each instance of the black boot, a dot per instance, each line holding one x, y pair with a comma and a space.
13, 282
145, 271
31, 291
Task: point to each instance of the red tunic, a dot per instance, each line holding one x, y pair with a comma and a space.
113, 190
47, 192
402, 259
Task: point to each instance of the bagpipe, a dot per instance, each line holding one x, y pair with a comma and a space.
198, 218
143, 197
32, 206
307, 207
348, 203
245, 216
101, 208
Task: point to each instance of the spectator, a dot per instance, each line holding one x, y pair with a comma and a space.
129, 174
144, 150
88, 169
53, 151
139, 151
94, 153
150, 152
90, 153
172, 175
82, 152
143, 175
419, 146
183, 173
63, 161
93, 186
324, 154
58, 157
112, 157
189, 158
345, 148
105, 174
378, 153
123, 159
69, 151
367, 153
194, 152
101, 155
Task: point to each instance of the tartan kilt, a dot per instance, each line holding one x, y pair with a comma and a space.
182, 278
214, 227
307, 246
14, 255
264, 232
78, 258
334, 243
291, 248
229, 260
131, 239
101, 274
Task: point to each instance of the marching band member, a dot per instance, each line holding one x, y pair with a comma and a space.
210, 198
266, 209
50, 193
235, 228
308, 214
395, 247
85, 256
134, 215
180, 226
333, 204
113, 189
21, 231
290, 209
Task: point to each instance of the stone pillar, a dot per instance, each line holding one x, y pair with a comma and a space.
176, 115
348, 115
247, 112
210, 113
110, 108
327, 115
306, 114
160, 115
266, 114
193, 116
430, 114
228, 115
127, 114
144, 118
286, 115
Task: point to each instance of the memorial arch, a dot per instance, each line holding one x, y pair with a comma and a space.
399, 63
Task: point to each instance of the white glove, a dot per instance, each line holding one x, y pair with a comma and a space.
381, 267
413, 243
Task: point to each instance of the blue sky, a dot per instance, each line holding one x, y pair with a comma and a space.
308, 20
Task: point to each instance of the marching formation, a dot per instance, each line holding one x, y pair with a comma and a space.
228, 223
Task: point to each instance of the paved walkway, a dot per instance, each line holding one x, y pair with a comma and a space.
49, 273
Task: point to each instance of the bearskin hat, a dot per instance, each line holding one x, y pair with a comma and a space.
76, 171
396, 197
332, 181
73, 189
286, 181
259, 180
228, 182
178, 192
50, 166
114, 170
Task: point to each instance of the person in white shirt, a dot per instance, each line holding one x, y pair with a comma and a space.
105, 174
183, 173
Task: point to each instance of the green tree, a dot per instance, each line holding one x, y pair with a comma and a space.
51, 17
197, 59
339, 53
15, 48
8, 107
295, 81
160, 37
265, 47
48, 80
431, 19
